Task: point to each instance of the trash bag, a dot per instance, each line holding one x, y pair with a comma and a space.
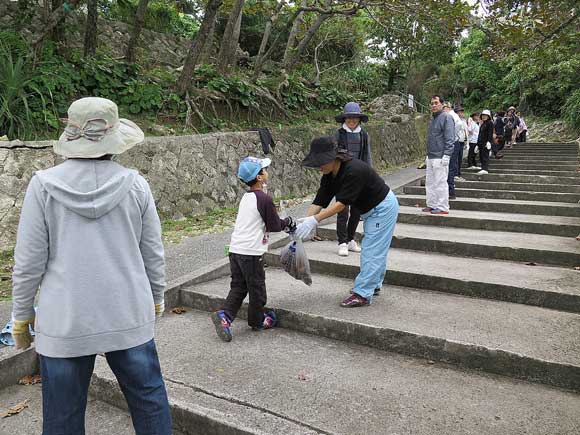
294, 260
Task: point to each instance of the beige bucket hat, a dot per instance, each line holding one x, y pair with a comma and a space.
94, 129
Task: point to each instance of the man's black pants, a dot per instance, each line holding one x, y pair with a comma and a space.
345, 225
248, 276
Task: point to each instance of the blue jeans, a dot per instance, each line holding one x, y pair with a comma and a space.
65, 385
379, 226
454, 167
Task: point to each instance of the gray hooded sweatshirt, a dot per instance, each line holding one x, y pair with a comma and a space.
90, 237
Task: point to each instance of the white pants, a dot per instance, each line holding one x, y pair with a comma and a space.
436, 185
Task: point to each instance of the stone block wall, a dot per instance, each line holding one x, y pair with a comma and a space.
194, 174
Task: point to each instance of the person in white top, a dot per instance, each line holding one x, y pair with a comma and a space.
257, 217
473, 132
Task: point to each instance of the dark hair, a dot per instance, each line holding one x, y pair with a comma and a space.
500, 113
255, 180
475, 114
441, 99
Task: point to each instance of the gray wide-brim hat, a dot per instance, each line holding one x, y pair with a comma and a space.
323, 150
94, 129
351, 110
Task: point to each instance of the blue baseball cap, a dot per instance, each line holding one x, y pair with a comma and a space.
250, 167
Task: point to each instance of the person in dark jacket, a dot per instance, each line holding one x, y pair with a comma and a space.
512, 123
498, 134
351, 136
484, 141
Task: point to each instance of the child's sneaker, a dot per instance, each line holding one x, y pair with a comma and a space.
222, 325
270, 321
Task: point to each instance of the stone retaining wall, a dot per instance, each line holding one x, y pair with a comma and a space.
194, 174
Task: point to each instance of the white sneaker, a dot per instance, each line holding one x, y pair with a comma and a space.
353, 246
343, 250
478, 168
459, 179
473, 167
482, 172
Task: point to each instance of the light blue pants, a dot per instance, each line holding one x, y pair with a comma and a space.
379, 226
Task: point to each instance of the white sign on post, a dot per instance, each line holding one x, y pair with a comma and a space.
411, 101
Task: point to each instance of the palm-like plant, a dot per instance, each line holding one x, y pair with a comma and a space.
16, 90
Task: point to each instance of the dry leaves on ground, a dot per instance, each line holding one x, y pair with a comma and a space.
16, 409
30, 380
179, 310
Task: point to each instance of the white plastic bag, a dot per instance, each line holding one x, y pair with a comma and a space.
294, 260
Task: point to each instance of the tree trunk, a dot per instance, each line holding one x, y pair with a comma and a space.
57, 33
307, 38
208, 48
197, 44
91, 28
136, 30
55, 18
227, 53
293, 34
266, 38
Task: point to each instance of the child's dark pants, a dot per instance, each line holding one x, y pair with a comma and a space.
248, 276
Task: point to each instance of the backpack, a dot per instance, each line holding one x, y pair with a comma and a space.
509, 124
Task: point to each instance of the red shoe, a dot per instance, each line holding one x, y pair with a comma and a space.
427, 209
439, 211
354, 300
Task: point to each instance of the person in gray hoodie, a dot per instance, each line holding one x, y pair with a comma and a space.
89, 239
440, 145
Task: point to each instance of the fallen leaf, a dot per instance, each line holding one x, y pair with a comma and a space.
302, 377
316, 239
16, 409
531, 263
577, 268
30, 380
179, 310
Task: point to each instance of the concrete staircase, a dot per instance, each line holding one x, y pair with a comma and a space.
476, 330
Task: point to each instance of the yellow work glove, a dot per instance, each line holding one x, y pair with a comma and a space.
21, 333
159, 309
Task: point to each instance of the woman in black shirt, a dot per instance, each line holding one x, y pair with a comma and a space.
353, 182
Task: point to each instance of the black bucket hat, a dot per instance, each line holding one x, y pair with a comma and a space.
323, 150
351, 110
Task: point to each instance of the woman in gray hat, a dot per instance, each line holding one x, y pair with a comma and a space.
351, 136
353, 182
90, 238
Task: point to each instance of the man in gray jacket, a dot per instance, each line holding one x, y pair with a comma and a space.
440, 144
90, 238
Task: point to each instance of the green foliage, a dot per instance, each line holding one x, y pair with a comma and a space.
32, 99
17, 92
162, 16
571, 110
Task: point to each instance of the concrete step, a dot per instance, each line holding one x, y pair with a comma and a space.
286, 382
526, 187
563, 226
473, 333
527, 172
500, 164
497, 245
547, 160
542, 286
517, 178
500, 205
101, 418
538, 153
504, 194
